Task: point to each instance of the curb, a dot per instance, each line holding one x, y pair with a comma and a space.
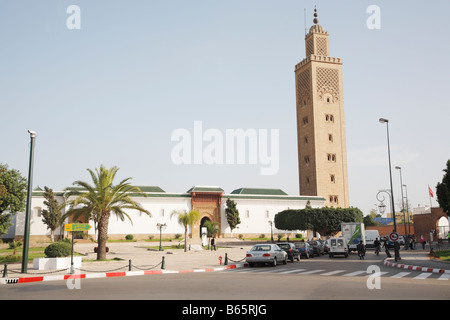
415, 268
110, 274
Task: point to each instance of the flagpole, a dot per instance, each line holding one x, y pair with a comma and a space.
430, 195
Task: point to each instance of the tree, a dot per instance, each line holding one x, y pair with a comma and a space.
52, 216
326, 221
443, 190
232, 214
186, 219
212, 229
13, 193
101, 199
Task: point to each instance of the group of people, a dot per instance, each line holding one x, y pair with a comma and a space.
377, 244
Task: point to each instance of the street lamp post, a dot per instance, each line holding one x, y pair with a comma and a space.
271, 231
160, 227
382, 120
403, 202
407, 207
26, 234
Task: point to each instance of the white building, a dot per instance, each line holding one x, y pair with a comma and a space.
256, 208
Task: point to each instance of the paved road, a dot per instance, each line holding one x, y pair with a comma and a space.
318, 278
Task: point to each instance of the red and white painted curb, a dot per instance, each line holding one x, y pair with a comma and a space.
415, 268
109, 274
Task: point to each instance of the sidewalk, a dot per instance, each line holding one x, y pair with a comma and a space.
419, 260
135, 258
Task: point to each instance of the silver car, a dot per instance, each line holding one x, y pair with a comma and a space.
266, 253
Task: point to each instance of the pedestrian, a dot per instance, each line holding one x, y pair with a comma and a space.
386, 248
397, 250
422, 241
213, 244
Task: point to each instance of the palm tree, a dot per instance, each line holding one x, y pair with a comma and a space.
101, 199
212, 229
186, 219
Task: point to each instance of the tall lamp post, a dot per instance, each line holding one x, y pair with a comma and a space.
26, 235
403, 202
382, 120
407, 207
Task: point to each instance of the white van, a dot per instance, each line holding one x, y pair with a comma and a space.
338, 246
371, 235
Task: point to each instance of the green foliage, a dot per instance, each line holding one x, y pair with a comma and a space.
129, 237
13, 192
58, 249
443, 190
324, 220
101, 199
15, 244
232, 214
52, 215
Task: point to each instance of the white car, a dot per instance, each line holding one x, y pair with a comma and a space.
266, 253
338, 246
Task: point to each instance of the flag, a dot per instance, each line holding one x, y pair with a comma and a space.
430, 191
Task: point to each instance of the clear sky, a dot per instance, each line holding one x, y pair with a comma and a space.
114, 91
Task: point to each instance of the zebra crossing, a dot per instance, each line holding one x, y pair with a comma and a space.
395, 274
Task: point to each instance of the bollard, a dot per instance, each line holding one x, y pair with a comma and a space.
5, 271
129, 265
226, 259
163, 263
220, 260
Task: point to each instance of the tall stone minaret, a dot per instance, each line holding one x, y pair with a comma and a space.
322, 151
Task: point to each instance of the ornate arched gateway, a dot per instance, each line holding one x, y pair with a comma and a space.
207, 201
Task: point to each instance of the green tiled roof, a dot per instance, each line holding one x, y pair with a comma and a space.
259, 191
150, 189
204, 189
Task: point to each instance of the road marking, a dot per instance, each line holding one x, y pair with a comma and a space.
277, 270
354, 273
423, 275
312, 271
400, 275
332, 272
444, 276
292, 271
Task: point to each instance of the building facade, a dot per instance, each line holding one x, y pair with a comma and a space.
322, 151
256, 208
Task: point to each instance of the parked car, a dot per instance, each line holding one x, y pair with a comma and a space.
317, 247
304, 249
291, 251
266, 253
338, 246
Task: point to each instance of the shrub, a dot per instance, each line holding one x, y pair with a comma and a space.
58, 249
129, 237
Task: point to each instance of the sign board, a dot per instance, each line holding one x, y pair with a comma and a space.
76, 227
393, 236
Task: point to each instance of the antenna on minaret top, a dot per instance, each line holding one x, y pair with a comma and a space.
305, 21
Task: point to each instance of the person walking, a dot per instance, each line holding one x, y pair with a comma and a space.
386, 248
422, 241
213, 244
361, 250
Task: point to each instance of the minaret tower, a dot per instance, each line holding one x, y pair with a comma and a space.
322, 151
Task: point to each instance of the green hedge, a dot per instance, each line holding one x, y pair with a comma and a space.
325, 220
58, 249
